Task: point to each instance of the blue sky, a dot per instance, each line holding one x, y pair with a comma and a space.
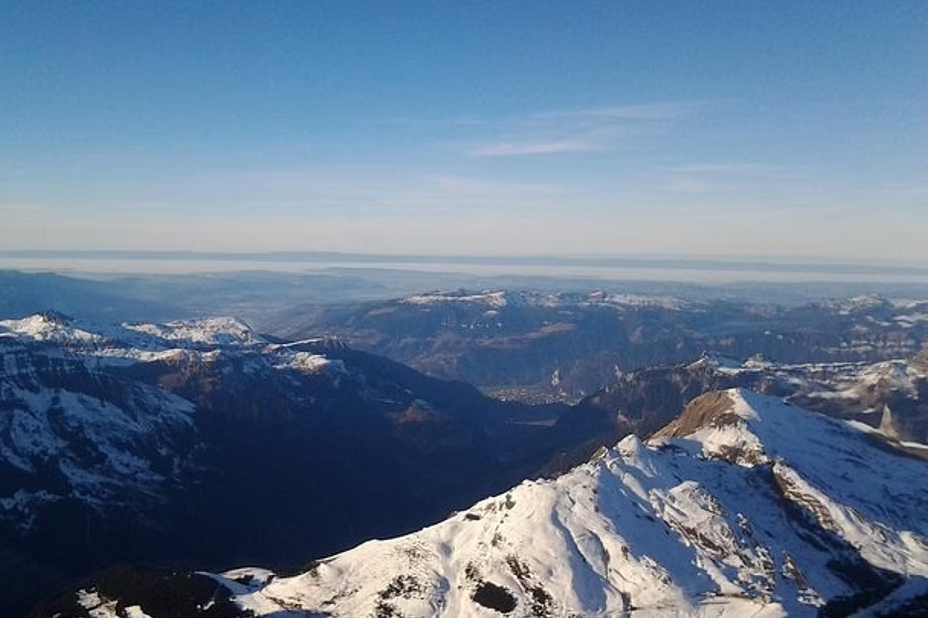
771, 129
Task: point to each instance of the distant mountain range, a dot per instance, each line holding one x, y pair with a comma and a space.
107, 290
891, 396
535, 346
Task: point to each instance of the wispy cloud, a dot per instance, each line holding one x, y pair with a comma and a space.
575, 131
24, 210
718, 177
527, 149
730, 169
645, 111
912, 190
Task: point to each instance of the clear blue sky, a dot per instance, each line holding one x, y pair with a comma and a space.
527, 127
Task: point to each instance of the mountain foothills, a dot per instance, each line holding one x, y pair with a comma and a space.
538, 346
201, 440
792, 483
743, 506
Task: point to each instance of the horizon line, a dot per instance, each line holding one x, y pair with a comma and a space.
786, 264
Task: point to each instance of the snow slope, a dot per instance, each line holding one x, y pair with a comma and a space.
745, 507
71, 424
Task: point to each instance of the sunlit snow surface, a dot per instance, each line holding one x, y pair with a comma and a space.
99, 608
692, 525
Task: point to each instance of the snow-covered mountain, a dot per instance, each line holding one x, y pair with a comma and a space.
157, 442
74, 418
891, 395
743, 506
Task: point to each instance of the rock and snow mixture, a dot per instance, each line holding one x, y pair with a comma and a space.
64, 409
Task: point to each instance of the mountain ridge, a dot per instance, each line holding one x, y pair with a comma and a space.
758, 508
158, 441
541, 346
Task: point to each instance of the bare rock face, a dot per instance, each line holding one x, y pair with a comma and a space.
887, 425
713, 407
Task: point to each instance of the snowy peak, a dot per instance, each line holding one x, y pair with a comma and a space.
713, 409
893, 390
48, 327
669, 303
685, 524
217, 331
90, 416
848, 306
55, 328
838, 473
491, 299
180, 341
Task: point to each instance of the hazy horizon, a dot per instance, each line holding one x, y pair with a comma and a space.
617, 268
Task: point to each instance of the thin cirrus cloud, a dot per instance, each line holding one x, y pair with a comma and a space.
715, 177
731, 169
576, 131
644, 111
726, 176
528, 149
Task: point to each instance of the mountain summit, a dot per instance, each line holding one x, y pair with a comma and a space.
743, 506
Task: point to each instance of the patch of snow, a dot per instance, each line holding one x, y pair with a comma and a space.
636, 300
96, 607
491, 299
251, 577
210, 331
88, 598
306, 362
44, 328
